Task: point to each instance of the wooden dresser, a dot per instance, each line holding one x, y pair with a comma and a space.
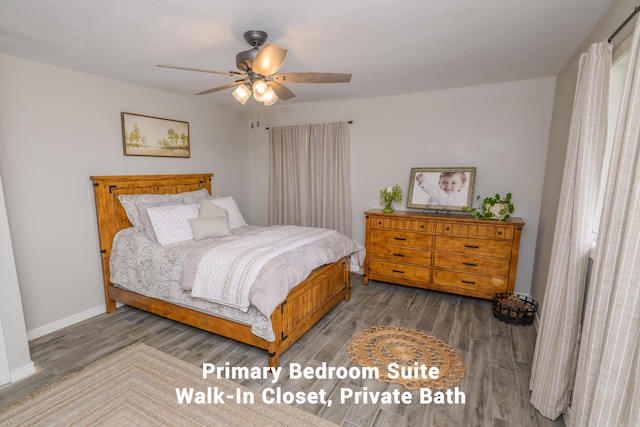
450, 253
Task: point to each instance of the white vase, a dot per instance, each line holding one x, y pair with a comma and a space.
498, 211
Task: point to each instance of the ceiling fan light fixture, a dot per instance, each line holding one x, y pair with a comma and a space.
272, 99
260, 90
242, 94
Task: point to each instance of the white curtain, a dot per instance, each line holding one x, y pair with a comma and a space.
310, 176
557, 345
607, 389
288, 171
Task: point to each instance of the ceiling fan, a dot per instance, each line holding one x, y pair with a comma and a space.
258, 76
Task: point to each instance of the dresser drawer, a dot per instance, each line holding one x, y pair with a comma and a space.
491, 285
496, 231
400, 254
472, 264
391, 223
401, 238
465, 245
390, 270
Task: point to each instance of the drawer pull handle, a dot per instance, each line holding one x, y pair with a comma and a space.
400, 238
470, 264
400, 255
468, 281
499, 233
398, 271
471, 246
447, 228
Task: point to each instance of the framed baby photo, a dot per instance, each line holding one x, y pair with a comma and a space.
448, 188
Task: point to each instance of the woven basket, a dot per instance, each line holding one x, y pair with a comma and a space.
514, 309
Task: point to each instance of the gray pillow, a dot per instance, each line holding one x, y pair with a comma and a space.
130, 201
189, 197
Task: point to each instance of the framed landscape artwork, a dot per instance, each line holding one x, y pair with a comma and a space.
448, 188
154, 136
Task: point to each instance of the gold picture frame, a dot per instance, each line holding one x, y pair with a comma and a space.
448, 188
154, 136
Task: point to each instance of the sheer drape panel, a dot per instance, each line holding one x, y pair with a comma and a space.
310, 176
288, 171
607, 389
330, 176
556, 352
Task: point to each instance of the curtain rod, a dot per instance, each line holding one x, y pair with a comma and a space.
350, 121
615, 33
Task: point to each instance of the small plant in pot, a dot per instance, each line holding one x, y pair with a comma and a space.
388, 196
495, 207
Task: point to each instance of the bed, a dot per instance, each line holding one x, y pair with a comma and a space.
306, 303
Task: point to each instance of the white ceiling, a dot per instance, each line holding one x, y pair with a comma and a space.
390, 47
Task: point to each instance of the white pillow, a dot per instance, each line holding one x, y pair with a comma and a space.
209, 227
144, 216
171, 223
235, 217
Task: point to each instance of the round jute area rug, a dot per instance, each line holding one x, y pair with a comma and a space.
410, 349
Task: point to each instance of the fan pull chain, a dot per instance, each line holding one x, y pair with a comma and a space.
255, 116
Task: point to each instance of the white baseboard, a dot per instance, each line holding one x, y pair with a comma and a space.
23, 372
63, 323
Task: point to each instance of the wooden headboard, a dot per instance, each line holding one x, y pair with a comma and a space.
110, 213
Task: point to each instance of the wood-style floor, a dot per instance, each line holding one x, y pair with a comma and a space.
497, 355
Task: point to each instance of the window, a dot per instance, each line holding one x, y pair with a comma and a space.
620, 64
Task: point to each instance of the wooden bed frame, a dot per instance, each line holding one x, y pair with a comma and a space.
305, 305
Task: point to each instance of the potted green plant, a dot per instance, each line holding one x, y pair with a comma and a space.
388, 196
496, 207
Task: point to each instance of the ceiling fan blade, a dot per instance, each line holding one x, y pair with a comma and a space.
230, 73
312, 78
281, 91
227, 86
268, 60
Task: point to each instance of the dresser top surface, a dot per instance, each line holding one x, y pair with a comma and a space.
450, 215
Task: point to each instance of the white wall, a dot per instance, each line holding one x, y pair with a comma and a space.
502, 129
13, 334
57, 128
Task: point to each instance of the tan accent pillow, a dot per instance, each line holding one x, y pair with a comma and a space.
209, 209
209, 227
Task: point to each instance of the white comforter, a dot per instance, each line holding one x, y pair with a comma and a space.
261, 269
227, 272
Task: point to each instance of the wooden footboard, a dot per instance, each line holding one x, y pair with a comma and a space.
305, 305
